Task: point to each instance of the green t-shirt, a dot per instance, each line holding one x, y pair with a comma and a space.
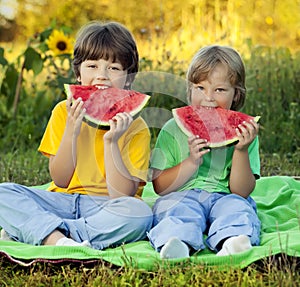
213, 175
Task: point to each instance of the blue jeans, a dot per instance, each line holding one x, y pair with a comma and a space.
29, 215
190, 214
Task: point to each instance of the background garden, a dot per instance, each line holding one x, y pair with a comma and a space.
36, 39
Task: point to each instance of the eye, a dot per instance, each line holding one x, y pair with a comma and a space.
220, 90
90, 64
115, 67
200, 88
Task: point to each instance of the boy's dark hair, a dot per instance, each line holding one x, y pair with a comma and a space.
207, 58
108, 41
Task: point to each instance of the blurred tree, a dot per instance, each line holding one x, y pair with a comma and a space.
8, 29
7, 20
269, 22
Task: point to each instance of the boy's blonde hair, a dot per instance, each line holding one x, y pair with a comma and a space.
108, 41
207, 58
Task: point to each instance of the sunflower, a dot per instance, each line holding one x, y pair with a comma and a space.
59, 43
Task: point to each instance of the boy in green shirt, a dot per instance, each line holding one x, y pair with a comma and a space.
207, 191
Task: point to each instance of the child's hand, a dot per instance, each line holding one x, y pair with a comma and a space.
198, 148
75, 115
246, 133
118, 125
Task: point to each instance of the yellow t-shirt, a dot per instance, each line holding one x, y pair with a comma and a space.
89, 174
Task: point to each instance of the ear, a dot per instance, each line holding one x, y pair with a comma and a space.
78, 79
236, 99
237, 95
127, 85
189, 94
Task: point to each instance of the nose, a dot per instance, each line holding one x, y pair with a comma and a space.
209, 96
102, 73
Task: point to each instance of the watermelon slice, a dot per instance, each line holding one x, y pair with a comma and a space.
103, 104
216, 125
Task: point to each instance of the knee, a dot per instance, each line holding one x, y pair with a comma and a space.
139, 218
143, 212
131, 207
171, 201
234, 203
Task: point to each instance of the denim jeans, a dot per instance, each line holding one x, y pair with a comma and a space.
29, 215
190, 214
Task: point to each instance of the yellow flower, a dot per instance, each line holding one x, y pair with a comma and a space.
269, 20
59, 43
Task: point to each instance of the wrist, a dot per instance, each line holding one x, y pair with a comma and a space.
110, 143
192, 163
241, 150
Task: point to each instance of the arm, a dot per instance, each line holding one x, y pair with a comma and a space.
62, 165
119, 180
242, 180
171, 179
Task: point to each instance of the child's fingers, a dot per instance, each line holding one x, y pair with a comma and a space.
82, 113
77, 107
69, 102
248, 129
196, 140
123, 120
198, 147
112, 124
202, 152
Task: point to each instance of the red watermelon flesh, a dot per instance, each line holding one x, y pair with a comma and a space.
103, 104
216, 125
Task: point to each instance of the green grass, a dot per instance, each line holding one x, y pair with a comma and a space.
29, 167
25, 167
276, 164
281, 271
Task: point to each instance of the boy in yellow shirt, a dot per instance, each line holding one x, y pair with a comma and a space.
96, 174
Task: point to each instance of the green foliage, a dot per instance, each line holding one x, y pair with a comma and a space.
3, 61
33, 61
33, 84
273, 81
25, 167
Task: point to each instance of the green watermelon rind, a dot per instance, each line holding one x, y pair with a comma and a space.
211, 145
67, 90
105, 124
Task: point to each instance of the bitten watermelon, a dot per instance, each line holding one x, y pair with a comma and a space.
103, 104
216, 125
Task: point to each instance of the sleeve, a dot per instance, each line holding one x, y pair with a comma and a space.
136, 149
54, 131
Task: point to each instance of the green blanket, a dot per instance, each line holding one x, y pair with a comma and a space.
278, 202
